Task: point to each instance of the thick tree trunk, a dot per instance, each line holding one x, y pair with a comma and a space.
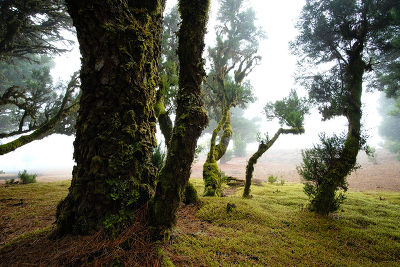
190, 120
262, 148
120, 47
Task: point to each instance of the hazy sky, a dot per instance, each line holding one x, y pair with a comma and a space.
271, 80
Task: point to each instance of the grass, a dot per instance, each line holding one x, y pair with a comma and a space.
272, 228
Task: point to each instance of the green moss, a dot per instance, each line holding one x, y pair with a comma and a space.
212, 179
190, 194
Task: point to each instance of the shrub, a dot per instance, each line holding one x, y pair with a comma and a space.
282, 181
323, 185
272, 179
27, 178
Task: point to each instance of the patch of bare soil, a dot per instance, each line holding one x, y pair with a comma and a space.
381, 174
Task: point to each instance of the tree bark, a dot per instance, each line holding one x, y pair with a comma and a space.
190, 120
262, 148
113, 177
347, 160
211, 173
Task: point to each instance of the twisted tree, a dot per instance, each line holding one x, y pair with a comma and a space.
349, 38
290, 111
232, 59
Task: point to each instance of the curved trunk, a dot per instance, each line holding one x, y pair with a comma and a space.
226, 136
190, 120
344, 165
211, 173
262, 148
120, 47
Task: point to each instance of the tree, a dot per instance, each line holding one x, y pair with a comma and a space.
235, 52
29, 102
348, 37
31, 105
31, 27
114, 177
290, 112
169, 74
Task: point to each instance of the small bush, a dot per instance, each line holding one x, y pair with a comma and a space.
27, 178
272, 179
324, 185
11, 181
282, 181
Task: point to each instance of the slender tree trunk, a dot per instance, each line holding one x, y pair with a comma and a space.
190, 120
262, 148
212, 183
226, 136
120, 47
345, 164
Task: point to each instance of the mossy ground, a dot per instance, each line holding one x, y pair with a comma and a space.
272, 228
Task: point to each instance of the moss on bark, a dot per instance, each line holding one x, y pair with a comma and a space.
120, 47
190, 119
262, 148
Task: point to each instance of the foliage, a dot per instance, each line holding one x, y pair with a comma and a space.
320, 184
290, 111
27, 178
32, 27
158, 157
29, 98
282, 181
272, 179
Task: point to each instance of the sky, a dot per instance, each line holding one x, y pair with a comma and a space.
271, 80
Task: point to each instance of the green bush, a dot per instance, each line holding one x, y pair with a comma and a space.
272, 179
27, 178
282, 181
324, 186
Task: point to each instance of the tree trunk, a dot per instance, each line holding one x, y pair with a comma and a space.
262, 148
226, 136
113, 177
345, 164
190, 120
211, 173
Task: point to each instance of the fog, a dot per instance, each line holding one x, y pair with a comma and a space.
271, 80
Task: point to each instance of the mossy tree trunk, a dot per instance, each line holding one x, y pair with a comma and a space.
211, 171
190, 119
262, 148
113, 177
345, 163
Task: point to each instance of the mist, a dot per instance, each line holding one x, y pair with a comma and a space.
271, 80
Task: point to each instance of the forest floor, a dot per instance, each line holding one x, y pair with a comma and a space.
272, 228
